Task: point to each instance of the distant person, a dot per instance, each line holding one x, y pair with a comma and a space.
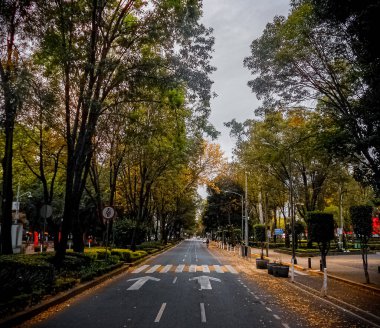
207, 242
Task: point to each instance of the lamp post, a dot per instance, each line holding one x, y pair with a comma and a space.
242, 209
341, 191
246, 214
292, 219
18, 197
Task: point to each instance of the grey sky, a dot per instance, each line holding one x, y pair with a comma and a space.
236, 24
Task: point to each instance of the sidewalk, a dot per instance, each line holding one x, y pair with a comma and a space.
347, 267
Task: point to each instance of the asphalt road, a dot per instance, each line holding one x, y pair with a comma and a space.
183, 287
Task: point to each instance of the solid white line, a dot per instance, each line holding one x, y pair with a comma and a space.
166, 268
159, 315
180, 268
231, 269
193, 268
218, 268
153, 268
205, 268
138, 270
203, 312
276, 316
175, 279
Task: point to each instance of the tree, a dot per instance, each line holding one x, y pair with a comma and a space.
16, 22
259, 236
320, 227
106, 53
223, 208
301, 58
361, 220
299, 228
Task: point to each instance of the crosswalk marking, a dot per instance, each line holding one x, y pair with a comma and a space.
166, 268
142, 268
183, 268
231, 269
153, 268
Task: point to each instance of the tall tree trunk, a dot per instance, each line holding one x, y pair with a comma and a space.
365, 264
7, 193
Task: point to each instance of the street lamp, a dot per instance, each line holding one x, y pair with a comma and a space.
18, 197
242, 210
292, 219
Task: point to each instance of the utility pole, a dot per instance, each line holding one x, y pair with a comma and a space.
246, 214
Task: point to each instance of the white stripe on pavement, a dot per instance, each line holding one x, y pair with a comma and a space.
193, 268
218, 268
166, 268
153, 268
203, 312
205, 268
142, 268
159, 315
180, 268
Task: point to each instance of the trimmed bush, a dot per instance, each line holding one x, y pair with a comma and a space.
361, 219
321, 230
24, 274
123, 254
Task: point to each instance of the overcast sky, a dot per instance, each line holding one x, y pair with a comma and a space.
236, 24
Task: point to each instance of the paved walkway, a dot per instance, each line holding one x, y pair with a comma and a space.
349, 267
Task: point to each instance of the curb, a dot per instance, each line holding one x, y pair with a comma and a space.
347, 281
20, 317
350, 282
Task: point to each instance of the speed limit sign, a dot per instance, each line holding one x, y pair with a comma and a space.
108, 212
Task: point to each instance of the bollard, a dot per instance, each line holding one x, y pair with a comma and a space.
309, 262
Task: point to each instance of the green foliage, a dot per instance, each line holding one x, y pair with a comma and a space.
299, 227
151, 244
24, 274
259, 233
361, 220
320, 226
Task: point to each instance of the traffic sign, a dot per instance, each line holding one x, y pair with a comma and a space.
46, 211
278, 232
108, 212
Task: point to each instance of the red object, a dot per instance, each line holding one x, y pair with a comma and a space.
375, 226
35, 240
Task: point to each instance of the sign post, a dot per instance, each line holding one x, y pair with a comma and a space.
108, 213
46, 211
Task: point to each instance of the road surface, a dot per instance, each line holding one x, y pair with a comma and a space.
188, 286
